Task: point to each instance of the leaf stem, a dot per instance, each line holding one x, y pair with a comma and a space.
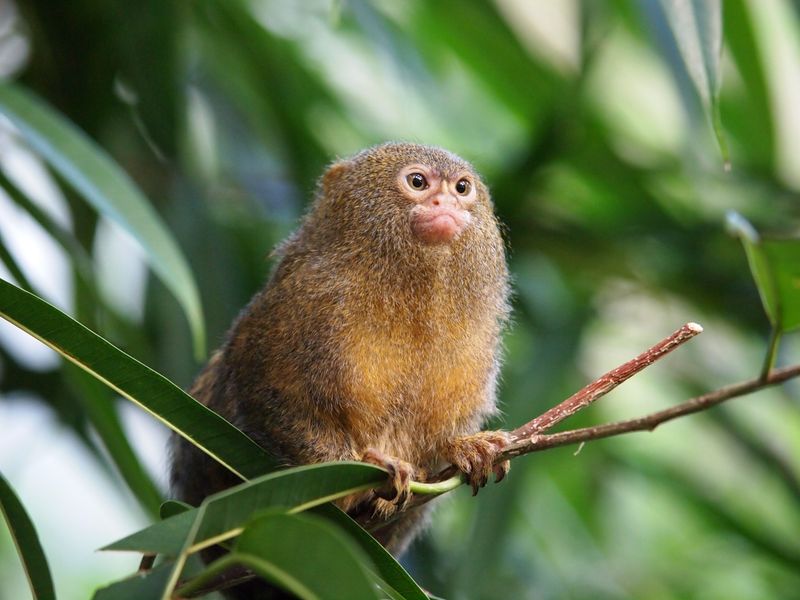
772, 353
719, 134
439, 487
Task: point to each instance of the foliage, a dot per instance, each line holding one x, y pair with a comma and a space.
202, 126
27, 542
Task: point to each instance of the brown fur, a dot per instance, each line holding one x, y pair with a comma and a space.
364, 338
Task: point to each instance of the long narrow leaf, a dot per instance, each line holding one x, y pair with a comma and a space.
135, 381
219, 517
94, 397
391, 571
226, 512
108, 189
13, 266
100, 407
78, 255
756, 119
27, 542
775, 266
327, 563
170, 508
697, 28
302, 554
137, 587
164, 537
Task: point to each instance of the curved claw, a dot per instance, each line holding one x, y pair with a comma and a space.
397, 491
475, 455
501, 470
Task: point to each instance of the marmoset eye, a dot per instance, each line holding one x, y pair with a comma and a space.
417, 181
463, 186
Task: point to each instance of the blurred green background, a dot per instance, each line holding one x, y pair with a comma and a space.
603, 166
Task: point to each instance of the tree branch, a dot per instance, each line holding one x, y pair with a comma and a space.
601, 386
531, 437
578, 401
538, 442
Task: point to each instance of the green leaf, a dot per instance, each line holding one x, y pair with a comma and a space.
782, 265
775, 265
226, 512
13, 267
27, 542
135, 381
457, 24
164, 537
137, 587
389, 592
95, 399
154, 77
297, 489
100, 407
391, 571
78, 255
753, 115
109, 190
241, 50
170, 508
315, 553
221, 516
697, 28
301, 554
699, 495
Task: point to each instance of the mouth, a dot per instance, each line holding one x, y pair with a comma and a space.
440, 225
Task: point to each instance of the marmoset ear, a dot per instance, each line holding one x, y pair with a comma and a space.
334, 175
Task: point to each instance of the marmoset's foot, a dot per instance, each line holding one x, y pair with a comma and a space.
397, 491
475, 455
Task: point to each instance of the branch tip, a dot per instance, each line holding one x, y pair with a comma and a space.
694, 327
603, 385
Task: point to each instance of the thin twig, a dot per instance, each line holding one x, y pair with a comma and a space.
542, 441
580, 399
539, 442
536, 442
601, 386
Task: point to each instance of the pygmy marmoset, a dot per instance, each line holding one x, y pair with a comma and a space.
377, 336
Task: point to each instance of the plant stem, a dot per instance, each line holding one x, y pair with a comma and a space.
529, 438
602, 385
540, 442
436, 488
772, 353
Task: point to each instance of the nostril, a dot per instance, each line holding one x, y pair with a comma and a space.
435, 202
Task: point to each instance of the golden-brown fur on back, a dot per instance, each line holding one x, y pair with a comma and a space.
364, 337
